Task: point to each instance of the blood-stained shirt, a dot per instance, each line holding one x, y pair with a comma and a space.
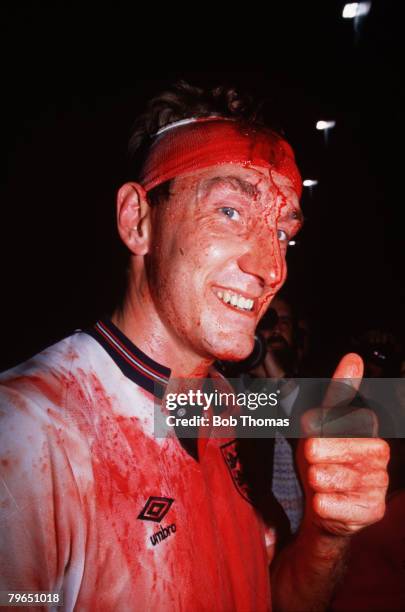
94, 505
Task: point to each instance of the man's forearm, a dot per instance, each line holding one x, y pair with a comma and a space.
305, 573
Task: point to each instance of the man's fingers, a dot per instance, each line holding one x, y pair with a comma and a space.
340, 421
369, 451
335, 478
345, 381
356, 509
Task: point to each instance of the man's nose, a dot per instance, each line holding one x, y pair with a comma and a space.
265, 260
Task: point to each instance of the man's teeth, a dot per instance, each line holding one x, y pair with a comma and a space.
235, 300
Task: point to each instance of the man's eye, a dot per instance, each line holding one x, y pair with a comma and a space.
230, 212
282, 235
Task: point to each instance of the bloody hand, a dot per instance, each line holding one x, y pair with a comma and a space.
345, 479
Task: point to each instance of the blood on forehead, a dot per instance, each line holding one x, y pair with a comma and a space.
235, 183
213, 142
262, 186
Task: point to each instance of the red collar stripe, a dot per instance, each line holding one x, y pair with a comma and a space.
128, 355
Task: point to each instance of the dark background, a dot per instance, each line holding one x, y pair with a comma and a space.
73, 80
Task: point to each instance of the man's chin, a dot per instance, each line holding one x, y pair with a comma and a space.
232, 351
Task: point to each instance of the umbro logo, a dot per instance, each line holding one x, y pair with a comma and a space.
156, 509
162, 534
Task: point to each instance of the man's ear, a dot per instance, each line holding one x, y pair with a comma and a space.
133, 218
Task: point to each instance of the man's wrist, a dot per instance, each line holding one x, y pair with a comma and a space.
322, 543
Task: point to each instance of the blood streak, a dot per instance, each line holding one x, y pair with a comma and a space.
116, 446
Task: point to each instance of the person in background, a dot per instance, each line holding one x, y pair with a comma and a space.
279, 330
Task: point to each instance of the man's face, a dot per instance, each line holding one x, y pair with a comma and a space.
217, 255
281, 335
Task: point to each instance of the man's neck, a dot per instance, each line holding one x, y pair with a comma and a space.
138, 320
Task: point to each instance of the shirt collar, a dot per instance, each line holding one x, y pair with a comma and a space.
134, 363
146, 372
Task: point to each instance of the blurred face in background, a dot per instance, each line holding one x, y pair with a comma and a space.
281, 335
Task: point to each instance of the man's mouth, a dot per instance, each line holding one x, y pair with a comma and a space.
277, 340
237, 301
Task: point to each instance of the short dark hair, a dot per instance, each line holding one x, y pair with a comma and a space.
182, 101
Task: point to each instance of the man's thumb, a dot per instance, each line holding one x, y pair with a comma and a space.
345, 382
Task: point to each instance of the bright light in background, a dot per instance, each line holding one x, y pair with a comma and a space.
292, 243
356, 9
309, 183
325, 125
350, 10
363, 8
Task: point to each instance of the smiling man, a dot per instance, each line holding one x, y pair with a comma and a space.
213, 276
93, 504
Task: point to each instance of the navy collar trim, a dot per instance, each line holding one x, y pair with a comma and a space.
133, 362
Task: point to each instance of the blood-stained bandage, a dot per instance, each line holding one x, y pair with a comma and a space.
193, 144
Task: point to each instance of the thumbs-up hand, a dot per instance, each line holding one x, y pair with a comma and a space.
345, 479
